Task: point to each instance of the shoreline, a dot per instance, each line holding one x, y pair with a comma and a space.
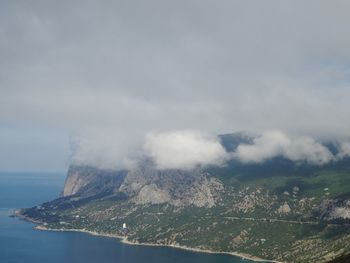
123, 239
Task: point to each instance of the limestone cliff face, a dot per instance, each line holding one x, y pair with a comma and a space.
146, 185
176, 187
74, 182
88, 181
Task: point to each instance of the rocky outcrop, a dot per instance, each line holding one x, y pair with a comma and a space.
146, 185
335, 209
87, 181
284, 209
151, 194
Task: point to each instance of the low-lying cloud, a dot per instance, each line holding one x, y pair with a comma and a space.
276, 143
188, 149
104, 150
344, 150
184, 149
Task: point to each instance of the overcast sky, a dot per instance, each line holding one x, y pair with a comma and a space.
101, 75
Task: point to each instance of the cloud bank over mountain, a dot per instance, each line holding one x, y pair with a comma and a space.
275, 143
188, 149
109, 73
107, 150
184, 149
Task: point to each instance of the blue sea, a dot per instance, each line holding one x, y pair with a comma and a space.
20, 243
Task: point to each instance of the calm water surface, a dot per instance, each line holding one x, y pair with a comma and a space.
19, 242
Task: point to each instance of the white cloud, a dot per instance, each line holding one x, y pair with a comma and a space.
105, 150
184, 150
265, 147
344, 150
276, 143
308, 150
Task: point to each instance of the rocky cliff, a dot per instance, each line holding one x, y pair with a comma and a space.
146, 185
275, 210
86, 181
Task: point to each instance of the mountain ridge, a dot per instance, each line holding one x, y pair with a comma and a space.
239, 207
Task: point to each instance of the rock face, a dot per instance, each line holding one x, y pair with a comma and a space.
335, 209
146, 185
177, 187
88, 181
284, 209
151, 194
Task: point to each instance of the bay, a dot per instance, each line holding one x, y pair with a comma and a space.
19, 242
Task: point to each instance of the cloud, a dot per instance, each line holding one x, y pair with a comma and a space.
104, 150
267, 146
276, 143
344, 150
184, 150
306, 149
128, 68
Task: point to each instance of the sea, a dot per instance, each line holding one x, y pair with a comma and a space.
21, 243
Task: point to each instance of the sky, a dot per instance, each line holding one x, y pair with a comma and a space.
99, 82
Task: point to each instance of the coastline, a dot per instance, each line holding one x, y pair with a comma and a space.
123, 239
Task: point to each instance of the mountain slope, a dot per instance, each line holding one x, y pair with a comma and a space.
277, 210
